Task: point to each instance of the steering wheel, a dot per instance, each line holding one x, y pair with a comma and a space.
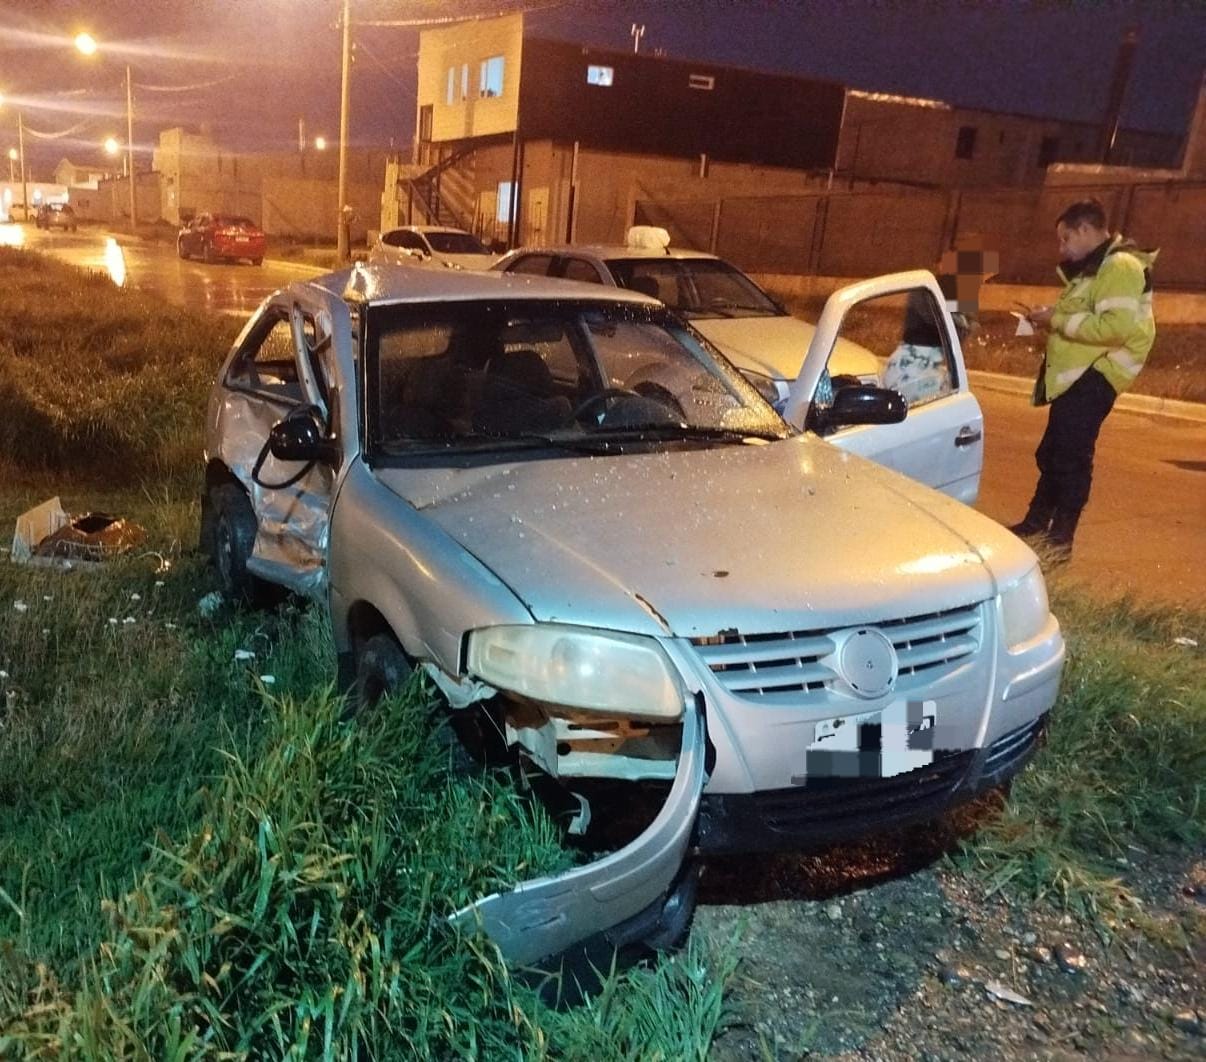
599, 397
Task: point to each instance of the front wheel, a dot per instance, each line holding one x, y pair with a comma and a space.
381, 669
207, 252
233, 541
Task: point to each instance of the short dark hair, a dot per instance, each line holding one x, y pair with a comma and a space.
1083, 212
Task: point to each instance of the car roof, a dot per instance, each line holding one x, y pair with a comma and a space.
605, 251
381, 284
429, 228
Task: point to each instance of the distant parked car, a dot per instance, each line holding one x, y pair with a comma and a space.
431, 245
222, 237
56, 216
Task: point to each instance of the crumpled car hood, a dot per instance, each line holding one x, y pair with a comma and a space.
757, 538
775, 346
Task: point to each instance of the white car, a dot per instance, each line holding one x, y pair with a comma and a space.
672, 604
431, 245
940, 442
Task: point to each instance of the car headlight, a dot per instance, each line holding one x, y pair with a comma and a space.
619, 674
1024, 608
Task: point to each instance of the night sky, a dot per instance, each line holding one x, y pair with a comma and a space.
251, 68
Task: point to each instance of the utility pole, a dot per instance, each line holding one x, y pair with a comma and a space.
24, 175
130, 151
341, 244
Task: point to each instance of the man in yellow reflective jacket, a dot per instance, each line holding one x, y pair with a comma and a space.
1101, 329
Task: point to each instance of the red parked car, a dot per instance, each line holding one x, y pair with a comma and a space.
221, 237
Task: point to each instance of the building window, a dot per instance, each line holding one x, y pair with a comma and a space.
491, 81
965, 143
1048, 151
451, 97
465, 81
705, 82
600, 75
503, 213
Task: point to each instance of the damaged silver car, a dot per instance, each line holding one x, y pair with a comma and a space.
621, 565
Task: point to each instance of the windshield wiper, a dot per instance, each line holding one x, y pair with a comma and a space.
476, 444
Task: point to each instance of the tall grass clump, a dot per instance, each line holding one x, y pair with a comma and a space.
198, 859
1123, 773
95, 377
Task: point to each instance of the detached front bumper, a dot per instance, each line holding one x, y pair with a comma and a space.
541, 918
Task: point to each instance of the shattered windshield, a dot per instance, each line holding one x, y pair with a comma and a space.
455, 243
479, 376
695, 287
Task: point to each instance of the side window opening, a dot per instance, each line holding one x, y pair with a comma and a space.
268, 362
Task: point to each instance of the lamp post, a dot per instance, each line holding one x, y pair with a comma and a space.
24, 173
342, 224
86, 44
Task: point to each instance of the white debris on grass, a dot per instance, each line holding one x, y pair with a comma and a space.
136, 597
996, 990
268, 680
20, 607
210, 603
1188, 643
243, 655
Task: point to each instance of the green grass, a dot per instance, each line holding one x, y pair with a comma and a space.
1123, 773
95, 378
193, 862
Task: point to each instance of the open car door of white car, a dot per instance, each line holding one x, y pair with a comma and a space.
904, 320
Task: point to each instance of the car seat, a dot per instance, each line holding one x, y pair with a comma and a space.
519, 395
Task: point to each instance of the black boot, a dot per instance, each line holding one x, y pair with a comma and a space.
1063, 530
1037, 519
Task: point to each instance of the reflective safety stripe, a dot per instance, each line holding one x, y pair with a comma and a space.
1073, 323
1070, 376
1118, 302
1122, 359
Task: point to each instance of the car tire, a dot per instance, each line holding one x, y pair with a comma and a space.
181, 251
257, 261
207, 252
233, 540
382, 668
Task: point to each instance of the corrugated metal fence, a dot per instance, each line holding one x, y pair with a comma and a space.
861, 233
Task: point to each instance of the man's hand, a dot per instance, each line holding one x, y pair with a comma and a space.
1040, 316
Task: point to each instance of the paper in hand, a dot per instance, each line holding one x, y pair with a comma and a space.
1025, 328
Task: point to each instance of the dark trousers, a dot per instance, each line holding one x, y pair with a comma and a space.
1065, 454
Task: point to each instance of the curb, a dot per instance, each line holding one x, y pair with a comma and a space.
1129, 403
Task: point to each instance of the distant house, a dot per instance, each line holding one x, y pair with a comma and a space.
72, 175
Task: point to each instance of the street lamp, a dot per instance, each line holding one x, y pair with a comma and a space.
19, 153
113, 148
86, 44
320, 143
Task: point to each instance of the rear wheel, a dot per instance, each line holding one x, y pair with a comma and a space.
257, 261
233, 540
180, 249
207, 252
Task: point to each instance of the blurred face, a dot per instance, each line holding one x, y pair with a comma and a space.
1075, 242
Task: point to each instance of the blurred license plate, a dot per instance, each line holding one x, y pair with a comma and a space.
242, 239
880, 744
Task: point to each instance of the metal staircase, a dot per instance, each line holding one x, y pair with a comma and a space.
445, 194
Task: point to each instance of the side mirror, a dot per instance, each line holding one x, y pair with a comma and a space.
302, 437
862, 405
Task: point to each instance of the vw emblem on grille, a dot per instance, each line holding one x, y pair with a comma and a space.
867, 661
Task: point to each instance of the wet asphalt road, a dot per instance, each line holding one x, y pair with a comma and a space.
235, 288
1143, 532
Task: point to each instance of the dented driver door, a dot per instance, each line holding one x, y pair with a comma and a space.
297, 361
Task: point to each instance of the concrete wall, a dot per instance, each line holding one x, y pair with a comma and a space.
903, 139
299, 207
462, 46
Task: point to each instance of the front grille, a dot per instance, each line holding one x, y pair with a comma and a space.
791, 668
828, 802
